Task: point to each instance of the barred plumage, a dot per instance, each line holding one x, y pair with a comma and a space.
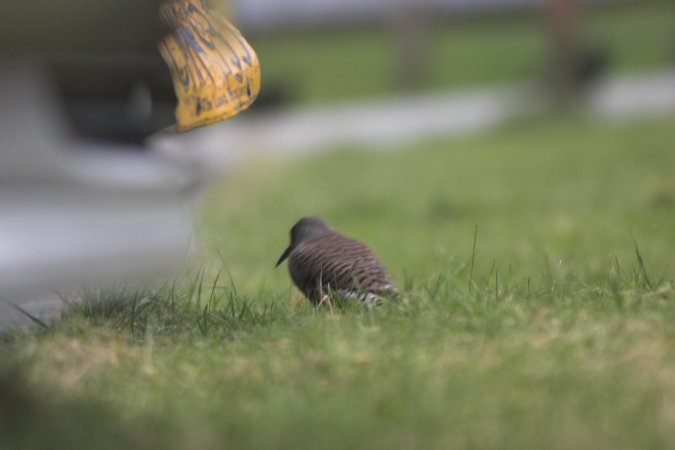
322, 261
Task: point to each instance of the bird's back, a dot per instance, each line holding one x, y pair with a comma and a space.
339, 264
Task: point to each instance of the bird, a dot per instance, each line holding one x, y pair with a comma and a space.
325, 264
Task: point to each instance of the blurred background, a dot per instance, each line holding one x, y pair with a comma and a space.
413, 68
324, 51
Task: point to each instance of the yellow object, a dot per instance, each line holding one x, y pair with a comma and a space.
216, 73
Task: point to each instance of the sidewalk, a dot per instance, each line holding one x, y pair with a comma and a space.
395, 121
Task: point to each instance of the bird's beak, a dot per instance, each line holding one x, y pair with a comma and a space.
284, 255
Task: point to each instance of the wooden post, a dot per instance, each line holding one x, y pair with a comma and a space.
563, 17
411, 38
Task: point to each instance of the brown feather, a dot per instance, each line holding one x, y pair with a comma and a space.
334, 263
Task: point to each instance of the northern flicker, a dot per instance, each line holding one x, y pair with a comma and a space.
322, 262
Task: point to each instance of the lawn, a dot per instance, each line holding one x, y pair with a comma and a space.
327, 66
537, 266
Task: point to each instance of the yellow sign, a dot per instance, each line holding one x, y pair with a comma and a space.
216, 73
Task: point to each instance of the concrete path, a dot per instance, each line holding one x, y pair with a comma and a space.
383, 123
28, 309
632, 96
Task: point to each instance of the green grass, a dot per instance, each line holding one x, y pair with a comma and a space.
325, 66
553, 328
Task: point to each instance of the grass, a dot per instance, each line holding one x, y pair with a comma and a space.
537, 263
320, 66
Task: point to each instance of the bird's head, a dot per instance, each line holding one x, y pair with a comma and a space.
306, 229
